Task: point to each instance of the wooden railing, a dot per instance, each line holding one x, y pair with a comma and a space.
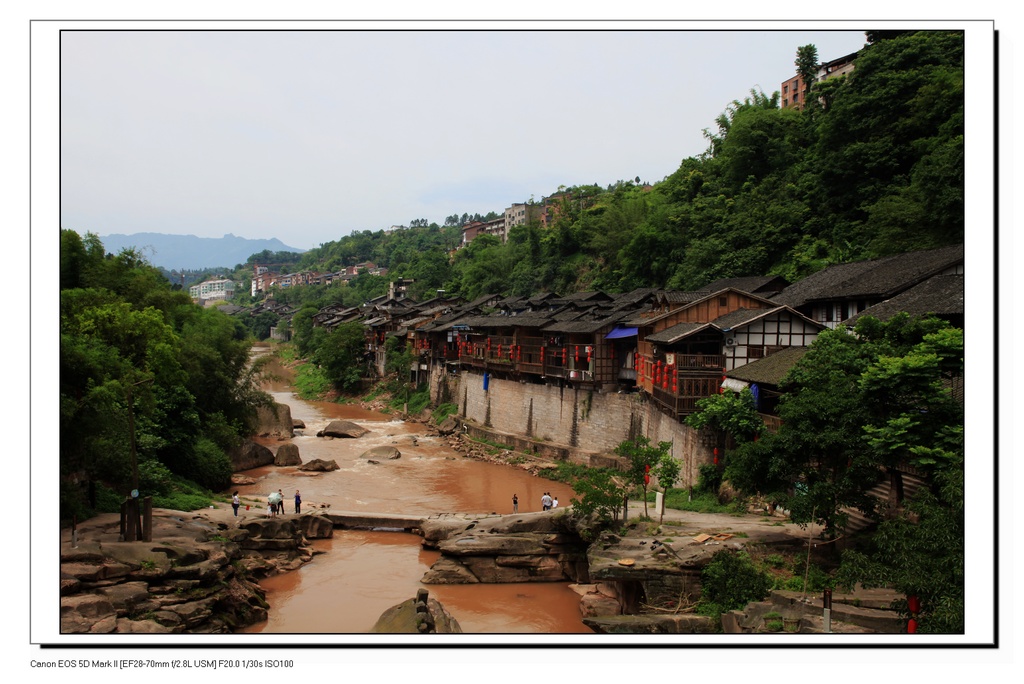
700, 362
683, 399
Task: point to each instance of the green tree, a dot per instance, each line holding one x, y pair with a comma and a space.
340, 353
644, 461
598, 492
853, 406
921, 552
807, 66
733, 413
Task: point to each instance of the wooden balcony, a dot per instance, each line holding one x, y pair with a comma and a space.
773, 423
687, 363
689, 390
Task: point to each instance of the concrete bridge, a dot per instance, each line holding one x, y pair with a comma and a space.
395, 522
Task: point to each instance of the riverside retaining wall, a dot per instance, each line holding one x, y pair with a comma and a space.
581, 420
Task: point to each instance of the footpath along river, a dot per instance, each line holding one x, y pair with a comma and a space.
362, 573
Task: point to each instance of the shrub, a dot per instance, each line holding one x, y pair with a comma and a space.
709, 478
730, 581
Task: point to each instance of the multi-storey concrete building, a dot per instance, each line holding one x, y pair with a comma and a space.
212, 289
794, 91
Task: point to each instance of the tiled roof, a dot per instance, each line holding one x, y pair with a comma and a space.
771, 369
740, 317
753, 284
584, 325
942, 295
676, 332
883, 278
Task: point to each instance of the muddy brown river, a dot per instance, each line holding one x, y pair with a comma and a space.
363, 573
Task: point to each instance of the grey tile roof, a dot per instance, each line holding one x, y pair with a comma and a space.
677, 332
740, 317
771, 369
584, 325
877, 278
942, 295
753, 284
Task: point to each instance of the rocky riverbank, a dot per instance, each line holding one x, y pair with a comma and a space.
199, 574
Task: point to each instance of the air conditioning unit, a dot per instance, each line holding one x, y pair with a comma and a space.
730, 342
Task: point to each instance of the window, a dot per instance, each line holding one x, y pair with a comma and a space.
755, 352
723, 301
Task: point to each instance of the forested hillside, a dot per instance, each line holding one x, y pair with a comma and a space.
873, 166
153, 389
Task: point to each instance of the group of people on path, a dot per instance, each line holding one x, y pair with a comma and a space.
275, 503
547, 502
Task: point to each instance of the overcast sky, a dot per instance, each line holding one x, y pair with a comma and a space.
307, 136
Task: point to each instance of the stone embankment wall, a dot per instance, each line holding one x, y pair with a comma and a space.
563, 420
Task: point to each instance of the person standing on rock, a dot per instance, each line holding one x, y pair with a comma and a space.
280, 502
515, 503
235, 503
298, 502
545, 502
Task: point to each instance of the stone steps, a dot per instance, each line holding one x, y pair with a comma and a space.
864, 612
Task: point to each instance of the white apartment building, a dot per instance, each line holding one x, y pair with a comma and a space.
212, 289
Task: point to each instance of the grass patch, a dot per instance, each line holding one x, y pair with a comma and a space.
418, 399
443, 411
704, 502
311, 382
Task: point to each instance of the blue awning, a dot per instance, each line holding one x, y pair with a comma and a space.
620, 332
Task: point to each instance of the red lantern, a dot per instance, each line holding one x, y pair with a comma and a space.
576, 356
647, 476
914, 606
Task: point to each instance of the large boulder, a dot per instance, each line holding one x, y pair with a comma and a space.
275, 421
448, 426
342, 428
249, 455
386, 452
421, 615
287, 455
319, 466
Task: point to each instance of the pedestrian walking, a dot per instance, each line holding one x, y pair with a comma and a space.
235, 503
515, 503
298, 502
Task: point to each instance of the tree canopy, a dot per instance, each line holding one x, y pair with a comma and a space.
872, 166
143, 368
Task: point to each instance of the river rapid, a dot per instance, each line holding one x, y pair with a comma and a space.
363, 573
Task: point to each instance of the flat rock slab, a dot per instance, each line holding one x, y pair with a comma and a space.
319, 465
342, 428
389, 453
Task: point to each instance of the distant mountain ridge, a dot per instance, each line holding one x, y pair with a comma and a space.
175, 252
